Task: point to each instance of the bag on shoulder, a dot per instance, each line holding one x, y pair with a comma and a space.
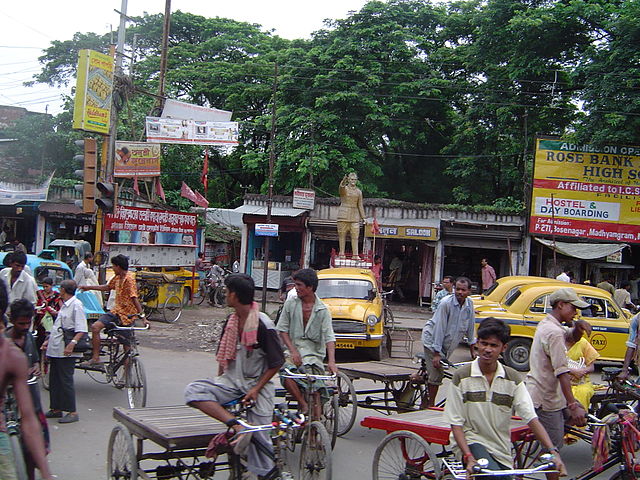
83, 345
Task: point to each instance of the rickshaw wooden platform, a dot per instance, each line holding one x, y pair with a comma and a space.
173, 428
390, 370
431, 425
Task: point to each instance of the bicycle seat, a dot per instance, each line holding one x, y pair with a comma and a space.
609, 373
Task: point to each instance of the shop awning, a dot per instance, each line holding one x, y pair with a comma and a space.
275, 211
60, 208
583, 251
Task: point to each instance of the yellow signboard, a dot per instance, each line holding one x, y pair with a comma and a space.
586, 191
94, 86
406, 232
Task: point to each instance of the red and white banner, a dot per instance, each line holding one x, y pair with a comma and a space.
135, 219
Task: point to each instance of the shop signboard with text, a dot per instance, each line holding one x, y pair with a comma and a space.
304, 199
94, 87
135, 219
586, 191
137, 159
266, 229
402, 231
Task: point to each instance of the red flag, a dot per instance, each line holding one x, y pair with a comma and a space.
205, 171
186, 192
200, 200
160, 190
375, 228
135, 185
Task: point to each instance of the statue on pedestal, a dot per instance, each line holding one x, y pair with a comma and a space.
350, 213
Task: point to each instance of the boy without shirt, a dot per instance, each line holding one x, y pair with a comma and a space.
483, 395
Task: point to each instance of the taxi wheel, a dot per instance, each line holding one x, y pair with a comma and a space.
517, 354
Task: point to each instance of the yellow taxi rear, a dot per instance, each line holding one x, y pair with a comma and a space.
500, 290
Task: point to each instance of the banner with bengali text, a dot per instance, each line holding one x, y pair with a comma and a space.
137, 159
135, 219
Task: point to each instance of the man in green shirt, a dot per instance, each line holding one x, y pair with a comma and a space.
306, 329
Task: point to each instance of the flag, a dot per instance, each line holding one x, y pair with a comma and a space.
159, 189
205, 171
375, 228
135, 185
200, 200
186, 192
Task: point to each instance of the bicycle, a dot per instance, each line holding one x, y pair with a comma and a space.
317, 442
12, 419
387, 314
123, 369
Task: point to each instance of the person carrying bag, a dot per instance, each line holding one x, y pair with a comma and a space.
66, 335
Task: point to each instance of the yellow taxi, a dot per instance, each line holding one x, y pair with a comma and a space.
528, 304
352, 296
501, 290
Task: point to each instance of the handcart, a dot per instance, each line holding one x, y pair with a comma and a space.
161, 293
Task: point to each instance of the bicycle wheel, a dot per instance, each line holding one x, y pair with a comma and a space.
330, 417
347, 404
281, 451
44, 371
18, 457
172, 309
122, 463
200, 294
389, 321
221, 297
136, 384
404, 454
315, 455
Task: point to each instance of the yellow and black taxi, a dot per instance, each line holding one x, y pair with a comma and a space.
502, 289
528, 304
352, 296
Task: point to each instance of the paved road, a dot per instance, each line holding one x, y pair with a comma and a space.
79, 450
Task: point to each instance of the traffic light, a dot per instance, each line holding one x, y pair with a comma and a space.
88, 159
109, 194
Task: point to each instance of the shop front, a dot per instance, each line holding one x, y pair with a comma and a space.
64, 221
286, 248
19, 220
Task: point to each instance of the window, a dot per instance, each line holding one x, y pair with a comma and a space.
598, 308
344, 288
540, 305
56, 274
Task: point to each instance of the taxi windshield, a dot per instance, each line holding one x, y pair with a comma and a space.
57, 274
344, 288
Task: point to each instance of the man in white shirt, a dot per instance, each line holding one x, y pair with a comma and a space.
563, 277
86, 276
18, 282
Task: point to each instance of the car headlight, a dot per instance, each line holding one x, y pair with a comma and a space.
372, 320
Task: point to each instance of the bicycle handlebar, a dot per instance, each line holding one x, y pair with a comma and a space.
308, 376
548, 466
248, 428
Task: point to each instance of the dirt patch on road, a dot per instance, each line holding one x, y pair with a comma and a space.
191, 333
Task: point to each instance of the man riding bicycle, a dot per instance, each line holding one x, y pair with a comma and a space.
306, 329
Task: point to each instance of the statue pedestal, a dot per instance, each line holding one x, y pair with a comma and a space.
352, 262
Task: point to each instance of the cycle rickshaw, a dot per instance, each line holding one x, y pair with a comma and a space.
161, 293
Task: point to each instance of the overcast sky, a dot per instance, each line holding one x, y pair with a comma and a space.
28, 26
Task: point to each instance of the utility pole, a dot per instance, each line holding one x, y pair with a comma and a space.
165, 51
272, 157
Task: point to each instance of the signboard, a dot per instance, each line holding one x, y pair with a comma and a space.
266, 229
191, 132
94, 85
137, 159
12, 193
407, 232
304, 199
586, 191
183, 110
135, 219
614, 257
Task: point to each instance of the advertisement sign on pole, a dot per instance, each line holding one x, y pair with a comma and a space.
586, 191
94, 86
304, 199
137, 159
266, 229
191, 132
